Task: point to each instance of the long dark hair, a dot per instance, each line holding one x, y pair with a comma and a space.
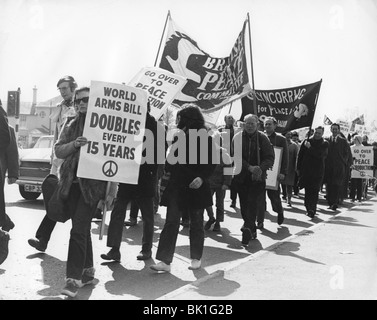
190, 117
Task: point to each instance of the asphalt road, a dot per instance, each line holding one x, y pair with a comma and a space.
30, 275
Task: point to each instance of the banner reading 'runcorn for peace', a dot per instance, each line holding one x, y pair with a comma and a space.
293, 107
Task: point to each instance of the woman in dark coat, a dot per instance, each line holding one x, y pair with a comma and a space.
311, 168
190, 165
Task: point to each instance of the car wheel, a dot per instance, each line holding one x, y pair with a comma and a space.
28, 195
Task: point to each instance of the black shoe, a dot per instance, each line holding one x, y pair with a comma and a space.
209, 223
253, 235
8, 224
113, 254
144, 255
280, 219
334, 207
311, 214
38, 244
233, 204
4, 249
131, 222
260, 225
246, 236
217, 227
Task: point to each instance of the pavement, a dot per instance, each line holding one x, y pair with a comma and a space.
333, 260
330, 257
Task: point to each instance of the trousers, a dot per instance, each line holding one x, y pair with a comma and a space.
118, 214
169, 234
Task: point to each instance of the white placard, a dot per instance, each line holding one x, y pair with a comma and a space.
272, 174
114, 124
162, 87
362, 162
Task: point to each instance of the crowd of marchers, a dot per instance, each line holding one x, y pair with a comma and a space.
237, 158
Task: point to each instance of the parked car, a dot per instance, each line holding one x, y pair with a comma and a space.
35, 165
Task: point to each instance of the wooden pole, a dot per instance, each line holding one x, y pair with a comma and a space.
253, 86
104, 211
162, 36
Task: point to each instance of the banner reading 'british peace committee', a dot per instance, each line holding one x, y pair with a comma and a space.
211, 82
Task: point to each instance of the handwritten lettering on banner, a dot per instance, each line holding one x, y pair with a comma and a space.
362, 162
115, 117
161, 85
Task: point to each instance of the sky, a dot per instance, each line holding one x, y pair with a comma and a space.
294, 42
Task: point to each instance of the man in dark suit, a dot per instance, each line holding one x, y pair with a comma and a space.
336, 164
4, 143
277, 140
142, 194
10, 167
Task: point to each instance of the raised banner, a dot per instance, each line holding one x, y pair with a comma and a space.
211, 82
162, 86
114, 123
293, 107
362, 162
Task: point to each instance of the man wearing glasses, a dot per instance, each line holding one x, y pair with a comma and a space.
65, 109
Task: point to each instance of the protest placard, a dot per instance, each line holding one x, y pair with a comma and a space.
362, 162
161, 85
114, 122
272, 182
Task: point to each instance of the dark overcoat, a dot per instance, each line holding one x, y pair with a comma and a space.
311, 163
337, 160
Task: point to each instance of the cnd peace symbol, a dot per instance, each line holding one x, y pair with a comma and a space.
110, 168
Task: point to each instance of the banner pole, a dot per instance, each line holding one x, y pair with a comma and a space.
252, 84
162, 36
230, 108
104, 211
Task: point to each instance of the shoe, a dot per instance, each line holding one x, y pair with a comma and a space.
113, 254
253, 235
144, 255
71, 287
185, 223
233, 204
311, 214
88, 276
195, 264
38, 244
260, 225
217, 227
246, 236
4, 248
209, 223
161, 266
289, 202
334, 207
8, 224
131, 222
280, 219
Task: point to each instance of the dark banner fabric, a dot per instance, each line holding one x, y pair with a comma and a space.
293, 107
211, 82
